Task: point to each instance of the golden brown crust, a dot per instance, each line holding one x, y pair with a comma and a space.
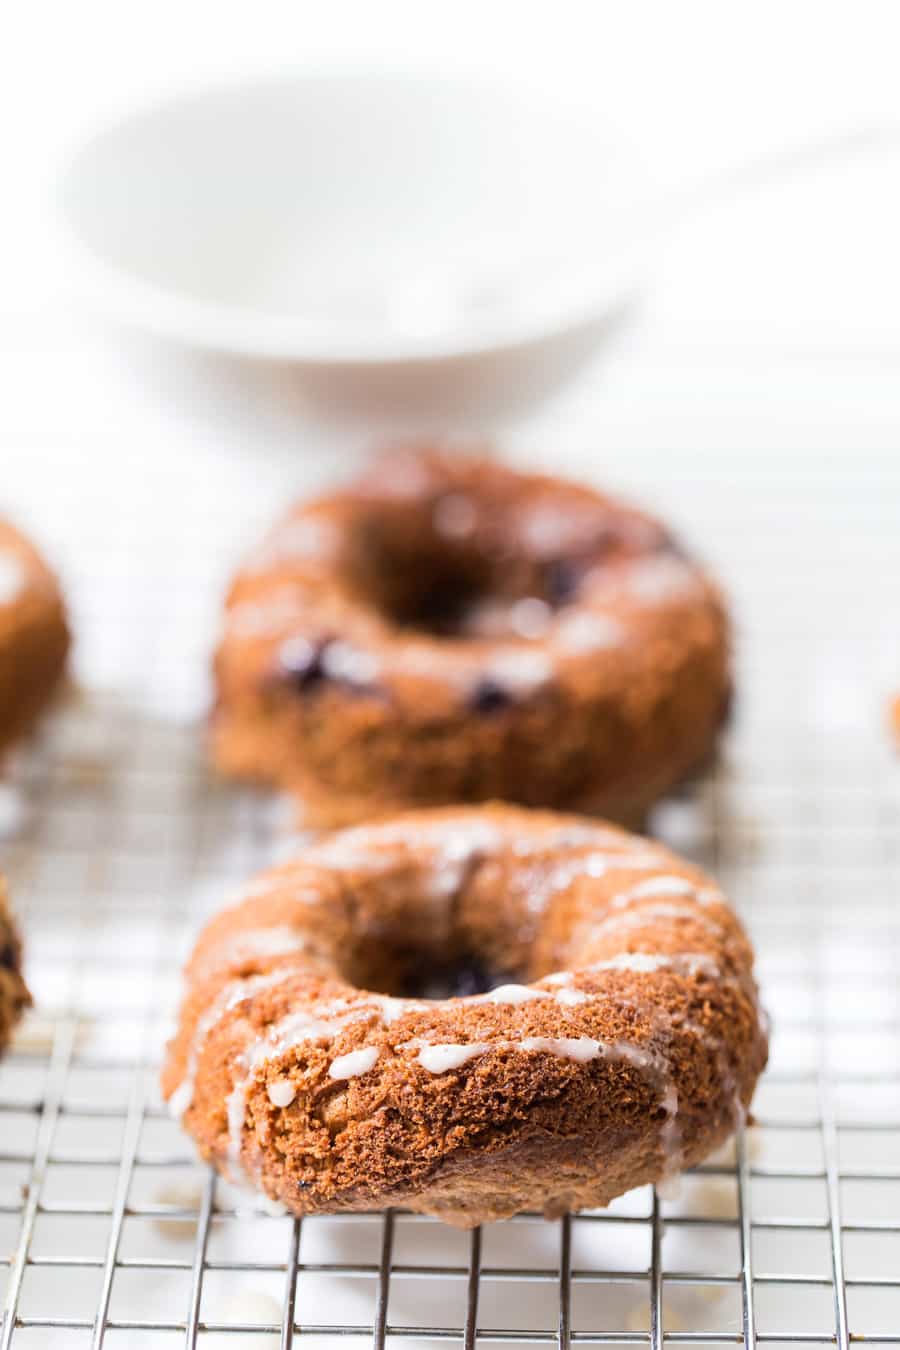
14, 996
448, 629
34, 636
629, 1049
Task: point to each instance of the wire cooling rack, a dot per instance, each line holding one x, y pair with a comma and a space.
118, 844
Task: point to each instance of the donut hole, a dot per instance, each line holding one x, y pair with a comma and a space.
482, 585
403, 970
434, 594
416, 580
458, 979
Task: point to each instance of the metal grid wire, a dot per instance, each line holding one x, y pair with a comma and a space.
118, 844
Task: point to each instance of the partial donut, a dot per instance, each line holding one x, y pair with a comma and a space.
14, 996
34, 635
448, 629
608, 1033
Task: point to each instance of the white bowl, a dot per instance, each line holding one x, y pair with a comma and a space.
356, 219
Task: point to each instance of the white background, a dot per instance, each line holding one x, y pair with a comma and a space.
755, 400
773, 321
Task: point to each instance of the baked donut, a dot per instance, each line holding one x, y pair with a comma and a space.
447, 629
14, 996
34, 637
894, 718
608, 1034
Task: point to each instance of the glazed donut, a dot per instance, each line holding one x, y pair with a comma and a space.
34, 637
621, 1044
14, 996
447, 629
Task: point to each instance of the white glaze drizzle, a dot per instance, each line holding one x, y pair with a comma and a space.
355, 1063
639, 962
349, 663
400, 476
369, 846
581, 1049
584, 630
454, 847
13, 578
303, 538
274, 615
235, 1112
452, 850
659, 885
636, 917
658, 578
408, 655
451, 863
265, 884
560, 838
511, 994
530, 617
281, 1092
670, 1135
277, 940
322, 1021
570, 998
441, 1058
317, 1023
521, 670
228, 997
560, 876
454, 515
393, 1008
286, 879
550, 528
691, 963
